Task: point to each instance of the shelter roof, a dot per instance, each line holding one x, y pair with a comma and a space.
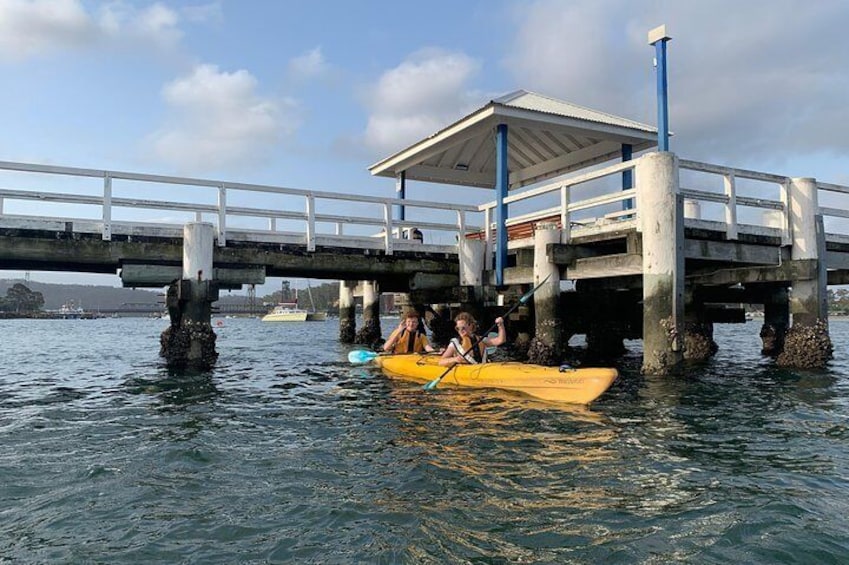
546, 138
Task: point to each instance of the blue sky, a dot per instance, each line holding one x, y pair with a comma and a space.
309, 94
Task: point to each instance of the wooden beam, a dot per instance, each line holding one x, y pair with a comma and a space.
151, 276
617, 265
733, 252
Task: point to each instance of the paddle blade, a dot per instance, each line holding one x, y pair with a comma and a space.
527, 296
431, 385
360, 356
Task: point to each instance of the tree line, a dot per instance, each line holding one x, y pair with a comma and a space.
20, 299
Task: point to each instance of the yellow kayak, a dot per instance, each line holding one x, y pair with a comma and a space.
576, 386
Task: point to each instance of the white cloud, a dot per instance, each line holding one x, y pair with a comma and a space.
418, 97
220, 121
203, 13
155, 24
308, 65
744, 82
32, 28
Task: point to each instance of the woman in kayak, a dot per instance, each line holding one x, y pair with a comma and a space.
470, 348
407, 337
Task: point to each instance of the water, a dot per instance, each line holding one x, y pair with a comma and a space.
287, 454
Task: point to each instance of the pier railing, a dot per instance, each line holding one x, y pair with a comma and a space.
731, 200
312, 217
726, 199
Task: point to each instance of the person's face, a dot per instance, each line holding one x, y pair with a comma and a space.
411, 324
462, 328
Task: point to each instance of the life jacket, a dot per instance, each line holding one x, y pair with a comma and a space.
410, 342
471, 355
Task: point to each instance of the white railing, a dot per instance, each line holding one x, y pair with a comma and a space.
375, 213
732, 198
731, 201
840, 215
567, 208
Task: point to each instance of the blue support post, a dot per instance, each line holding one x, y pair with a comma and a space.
401, 190
658, 38
502, 184
627, 176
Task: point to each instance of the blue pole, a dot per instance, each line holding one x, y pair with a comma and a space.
501, 186
401, 189
627, 176
662, 105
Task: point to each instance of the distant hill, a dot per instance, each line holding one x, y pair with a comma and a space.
86, 296
92, 297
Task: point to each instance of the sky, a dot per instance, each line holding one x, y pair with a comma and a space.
309, 94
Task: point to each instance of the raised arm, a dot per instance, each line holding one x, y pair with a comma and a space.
501, 338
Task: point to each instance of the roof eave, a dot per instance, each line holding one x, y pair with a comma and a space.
463, 129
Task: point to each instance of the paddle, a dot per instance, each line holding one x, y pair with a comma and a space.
525, 297
360, 356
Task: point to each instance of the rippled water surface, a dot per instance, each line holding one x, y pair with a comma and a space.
285, 453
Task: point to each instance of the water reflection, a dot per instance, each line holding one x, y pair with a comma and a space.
176, 388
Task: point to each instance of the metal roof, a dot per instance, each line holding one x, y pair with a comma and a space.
546, 138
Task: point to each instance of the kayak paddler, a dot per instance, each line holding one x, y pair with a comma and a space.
469, 347
407, 337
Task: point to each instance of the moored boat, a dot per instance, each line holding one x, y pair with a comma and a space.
554, 384
286, 314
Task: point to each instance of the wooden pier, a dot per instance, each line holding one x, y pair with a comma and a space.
656, 247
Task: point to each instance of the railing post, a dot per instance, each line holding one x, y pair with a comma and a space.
487, 234
387, 218
107, 207
786, 234
310, 223
565, 220
222, 216
461, 226
730, 184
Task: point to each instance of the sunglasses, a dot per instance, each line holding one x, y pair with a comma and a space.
461, 328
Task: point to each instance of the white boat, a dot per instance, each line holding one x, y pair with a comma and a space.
285, 313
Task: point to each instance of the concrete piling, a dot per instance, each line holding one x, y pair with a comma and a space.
189, 341
546, 347
369, 334
347, 312
807, 343
662, 226
776, 321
